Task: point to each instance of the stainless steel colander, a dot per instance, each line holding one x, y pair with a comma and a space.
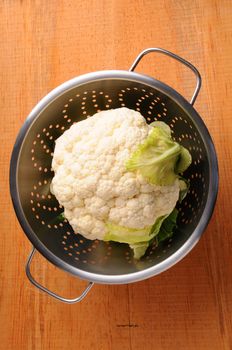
30, 174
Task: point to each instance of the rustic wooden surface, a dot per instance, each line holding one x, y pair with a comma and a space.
44, 43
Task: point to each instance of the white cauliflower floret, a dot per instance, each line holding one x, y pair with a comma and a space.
91, 181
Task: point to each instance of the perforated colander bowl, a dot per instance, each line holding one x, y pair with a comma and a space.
30, 174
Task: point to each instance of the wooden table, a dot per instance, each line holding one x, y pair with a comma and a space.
44, 43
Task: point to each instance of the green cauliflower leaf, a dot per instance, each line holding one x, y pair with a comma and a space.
159, 159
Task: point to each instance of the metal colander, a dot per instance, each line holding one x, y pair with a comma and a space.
30, 174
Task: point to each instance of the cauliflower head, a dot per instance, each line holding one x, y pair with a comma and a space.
102, 197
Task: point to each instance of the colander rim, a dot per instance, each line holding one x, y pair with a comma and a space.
213, 174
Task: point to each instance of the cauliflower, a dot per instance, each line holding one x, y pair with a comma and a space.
105, 191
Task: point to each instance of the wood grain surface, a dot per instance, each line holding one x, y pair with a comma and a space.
45, 42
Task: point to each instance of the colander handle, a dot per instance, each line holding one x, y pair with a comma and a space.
44, 289
176, 57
